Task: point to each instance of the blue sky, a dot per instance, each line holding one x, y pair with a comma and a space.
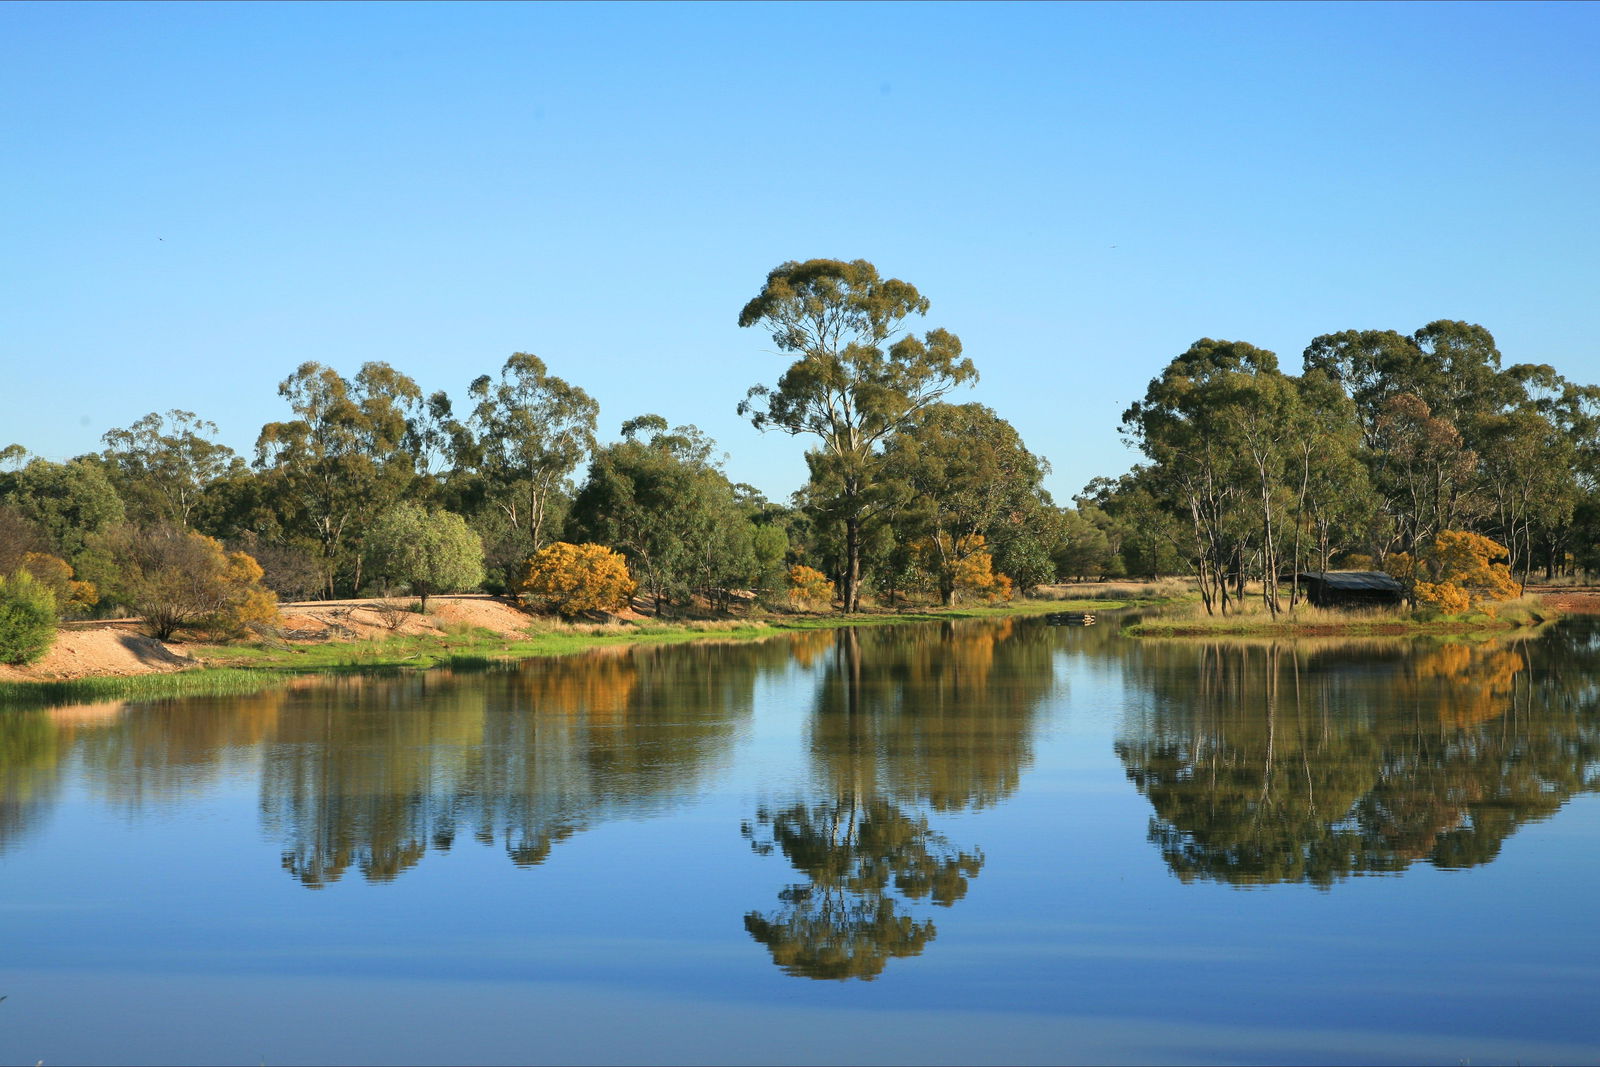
194, 199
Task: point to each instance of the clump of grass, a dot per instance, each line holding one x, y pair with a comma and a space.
217, 682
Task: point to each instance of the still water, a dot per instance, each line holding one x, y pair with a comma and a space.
970, 842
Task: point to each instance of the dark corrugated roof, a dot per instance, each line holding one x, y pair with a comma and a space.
1376, 581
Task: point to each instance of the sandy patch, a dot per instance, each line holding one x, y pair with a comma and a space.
118, 648
491, 613
345, 620
109, 650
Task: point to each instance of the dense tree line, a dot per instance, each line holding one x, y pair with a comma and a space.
1382, 443
371, 486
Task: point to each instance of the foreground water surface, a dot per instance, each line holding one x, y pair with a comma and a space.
968, 842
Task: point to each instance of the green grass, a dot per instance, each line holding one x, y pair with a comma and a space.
225, 681
1190, 620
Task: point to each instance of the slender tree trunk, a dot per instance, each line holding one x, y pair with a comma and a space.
852, 563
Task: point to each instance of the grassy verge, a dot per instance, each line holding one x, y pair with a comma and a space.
1307, 621
224, 681
241, 669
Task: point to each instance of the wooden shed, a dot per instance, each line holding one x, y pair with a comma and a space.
1350, 589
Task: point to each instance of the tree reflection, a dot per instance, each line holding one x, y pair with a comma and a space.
372, 774
939, 717
358, 774
846, 920
30, 759
1317, 761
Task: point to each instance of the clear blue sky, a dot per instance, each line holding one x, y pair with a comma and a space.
196, 198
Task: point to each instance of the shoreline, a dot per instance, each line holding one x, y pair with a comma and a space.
185, 669
239, 669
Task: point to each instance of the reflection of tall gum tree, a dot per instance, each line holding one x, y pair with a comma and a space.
851, 387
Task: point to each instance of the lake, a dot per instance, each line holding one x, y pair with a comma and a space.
967, 842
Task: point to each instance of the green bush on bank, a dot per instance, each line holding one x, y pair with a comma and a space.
27, 619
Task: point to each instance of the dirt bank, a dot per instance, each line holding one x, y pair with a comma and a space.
1569, 600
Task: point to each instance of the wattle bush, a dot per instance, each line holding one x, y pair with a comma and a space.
572, 579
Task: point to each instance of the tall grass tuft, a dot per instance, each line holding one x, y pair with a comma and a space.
220, 682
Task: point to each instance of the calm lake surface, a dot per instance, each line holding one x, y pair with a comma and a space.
973, 842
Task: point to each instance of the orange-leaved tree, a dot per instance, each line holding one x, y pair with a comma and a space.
809, 588
570, 579
1460, 571
961, 565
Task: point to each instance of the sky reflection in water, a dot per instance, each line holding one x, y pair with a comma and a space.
966, 842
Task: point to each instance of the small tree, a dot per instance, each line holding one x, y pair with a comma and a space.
178, 579
770, 545
27, 618
809, 588
570, 579
431, 551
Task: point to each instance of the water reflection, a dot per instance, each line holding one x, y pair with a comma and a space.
30, 756
905, 718
374, 775
1311, 762
1304, 762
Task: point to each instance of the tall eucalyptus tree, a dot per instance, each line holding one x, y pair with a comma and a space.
854, 384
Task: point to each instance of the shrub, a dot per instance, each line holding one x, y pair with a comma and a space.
570, 579
56, 574
27, 618
1457, 573
809, 588
180, 579
961, 566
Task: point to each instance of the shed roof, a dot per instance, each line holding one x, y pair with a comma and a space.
1375, 581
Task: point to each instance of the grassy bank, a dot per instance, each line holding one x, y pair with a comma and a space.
1190, 620
241, 669
223, 681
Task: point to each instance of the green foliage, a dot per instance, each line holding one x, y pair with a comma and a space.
660, 498
27, 618
532, 430
66, 502
430, 551
961, 475
56, 575
162, 464
1083, 549
348, 454
18, 538
770, 545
